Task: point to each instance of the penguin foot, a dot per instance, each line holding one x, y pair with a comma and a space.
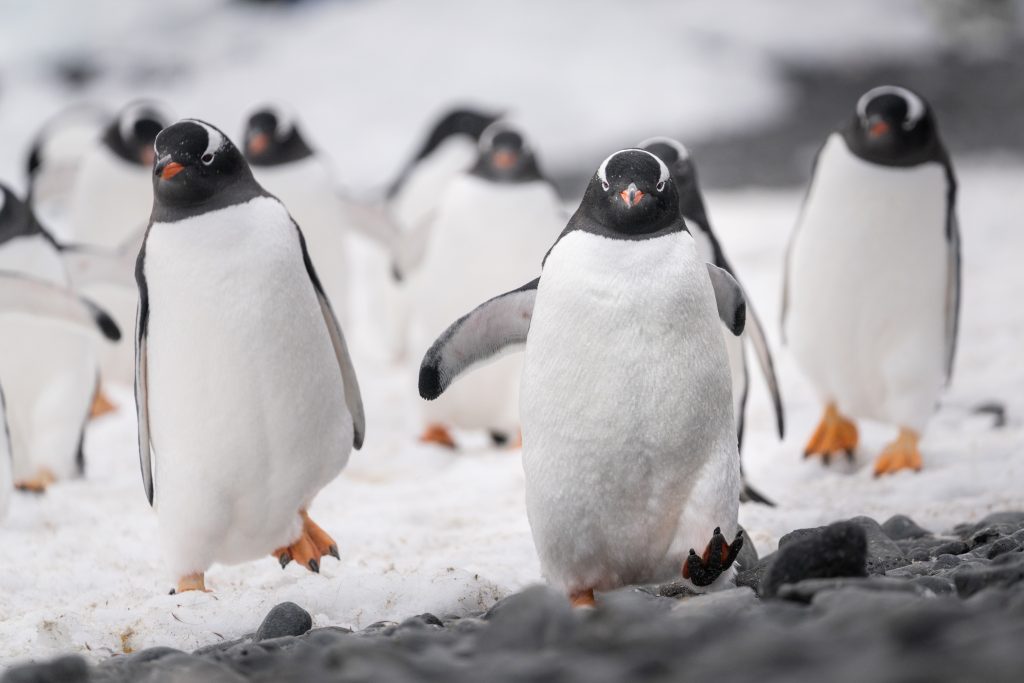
101, 405
835, 434
311, 546
718, 556
37, 484
437, 434
901, 454
191, 582
583, 598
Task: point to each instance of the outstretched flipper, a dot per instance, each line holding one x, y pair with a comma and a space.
25, 295
492, 327
732, 307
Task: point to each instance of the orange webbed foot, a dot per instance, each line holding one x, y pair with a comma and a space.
38, 483
835, 434
582, 598
191, 582
437, 434
309, 548
101, 405
901, 454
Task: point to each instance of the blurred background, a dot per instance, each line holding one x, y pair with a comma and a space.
751, 86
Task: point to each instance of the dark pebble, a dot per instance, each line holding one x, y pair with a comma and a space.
67, 669
970, 581
952, 548
286, 619
901, 527
834, 551
1000, 547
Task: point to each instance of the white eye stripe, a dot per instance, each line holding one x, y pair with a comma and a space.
215, 140
602, 170
135, 111
915, 105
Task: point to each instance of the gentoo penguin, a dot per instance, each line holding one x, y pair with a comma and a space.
872, 289
629, 444
450, 148
110, 203
247, 400
491, 228
49, 373
691, 202
288, 167
54, 161
23, 298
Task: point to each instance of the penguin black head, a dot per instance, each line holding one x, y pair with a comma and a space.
194, 163
272, 137
16, 218
130, 136
684, 174
632, 194
892, 125
505, 157
467, 122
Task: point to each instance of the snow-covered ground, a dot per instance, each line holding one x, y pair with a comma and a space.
425, 530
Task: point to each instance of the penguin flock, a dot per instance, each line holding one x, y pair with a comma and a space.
609, 343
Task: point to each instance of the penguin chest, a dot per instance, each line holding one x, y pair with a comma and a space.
868, 274
625, 396
245, 394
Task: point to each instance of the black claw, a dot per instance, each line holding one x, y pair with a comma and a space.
333, 551
284, 559
314, 566
704, 573
826, 459
174, 591
849, 454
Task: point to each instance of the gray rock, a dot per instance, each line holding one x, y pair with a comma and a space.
939, 585
946, 562
68, 669
1000, 547
970, 581
952, 548
189, 669
901, 527
883, 554
1012, 518
534, 618
747, 556
838, 550
753, 577
730, 602
286, 619
805, 591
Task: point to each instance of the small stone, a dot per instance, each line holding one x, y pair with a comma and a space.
919, 555
725, 603
970, 580
938, 585
901, 527
286, 619
837, 550
747, 556
952, 548
806, 590
1012, 518
426, 620
534, 618
754, 576
1000, 547
68, 669
946, 561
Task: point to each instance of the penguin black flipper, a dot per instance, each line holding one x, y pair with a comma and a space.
492, 327
955, 277
732, 306
353, 397
27, 295
146, 453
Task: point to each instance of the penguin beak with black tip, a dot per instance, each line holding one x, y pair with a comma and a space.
504, 159
631, 196
258, 142
877, 127
167, 169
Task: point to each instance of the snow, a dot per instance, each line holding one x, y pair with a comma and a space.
422, 529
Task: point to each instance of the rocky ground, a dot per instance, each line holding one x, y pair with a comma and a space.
853, 601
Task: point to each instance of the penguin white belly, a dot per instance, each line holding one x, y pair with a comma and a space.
49, 379
309, 193
247, 413
868, 272
111, 201
629, 446
487, 239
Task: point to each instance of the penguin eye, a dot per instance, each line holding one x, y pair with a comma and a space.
605, 185
660, 186
207, 159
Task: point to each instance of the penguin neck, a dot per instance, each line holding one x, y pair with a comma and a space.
243, 189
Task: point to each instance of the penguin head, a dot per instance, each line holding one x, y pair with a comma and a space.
684, 173
194, 162
504, 156
133, 131
632, 193
470, 123
272, 137
891, 124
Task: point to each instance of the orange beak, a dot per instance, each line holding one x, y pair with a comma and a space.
878, 128
170, 170
631, 196
504, 159
258, 143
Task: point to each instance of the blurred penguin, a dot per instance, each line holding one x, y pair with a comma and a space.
450, 148
872, 285
49, 372
490, 230
110, 206
6, 476
55, 160
691, 204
